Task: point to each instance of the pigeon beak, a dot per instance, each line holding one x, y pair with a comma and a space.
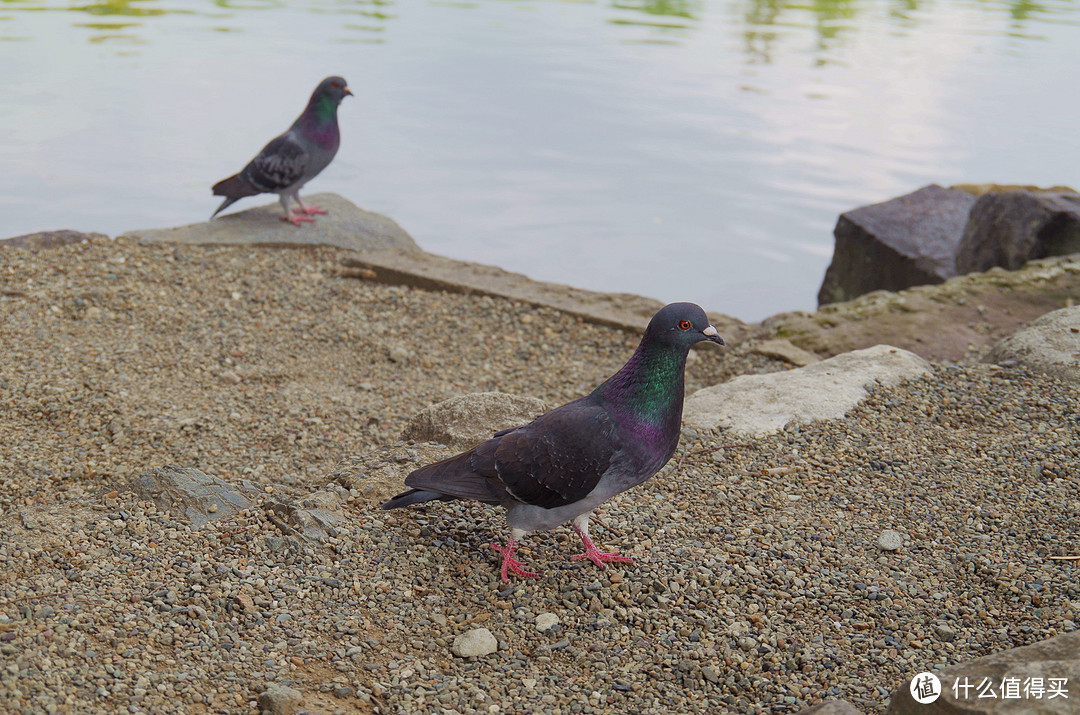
346, 91
712, 336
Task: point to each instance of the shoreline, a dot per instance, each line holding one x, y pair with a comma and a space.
978, 309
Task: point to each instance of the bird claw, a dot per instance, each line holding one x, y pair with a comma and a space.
313, 210
296, 219
509, 563
602, 558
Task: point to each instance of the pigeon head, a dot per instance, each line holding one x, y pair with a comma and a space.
681, 325
334, 88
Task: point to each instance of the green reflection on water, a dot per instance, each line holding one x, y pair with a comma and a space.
120, 7
666, 8
122, 39
107, 25
645, 23
249, 4
763, 24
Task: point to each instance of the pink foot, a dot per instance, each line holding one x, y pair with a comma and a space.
312, 209
296, 219
509, 563
598, 557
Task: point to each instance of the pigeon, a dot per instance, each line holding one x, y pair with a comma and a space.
568, 461
294, 158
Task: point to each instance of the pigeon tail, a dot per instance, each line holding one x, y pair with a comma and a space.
234, 188
414, 496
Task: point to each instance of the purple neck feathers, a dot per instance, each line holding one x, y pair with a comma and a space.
319, 123
646, 395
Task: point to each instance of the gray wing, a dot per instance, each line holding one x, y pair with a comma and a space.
278, 166
556, 459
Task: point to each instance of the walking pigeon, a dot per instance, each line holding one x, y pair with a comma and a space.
294, 158
566, 462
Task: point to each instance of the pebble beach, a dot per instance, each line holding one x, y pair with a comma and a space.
832, 560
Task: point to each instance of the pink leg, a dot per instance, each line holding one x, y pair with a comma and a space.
509, 563
598, 557
296, 219
310, 209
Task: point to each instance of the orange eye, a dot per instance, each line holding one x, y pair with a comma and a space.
684, 325
335, 85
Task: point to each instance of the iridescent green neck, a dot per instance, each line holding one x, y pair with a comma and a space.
320, 109
324, 108
319, 122
649, 387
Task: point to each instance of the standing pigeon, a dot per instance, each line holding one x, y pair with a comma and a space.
567, 462
294, 158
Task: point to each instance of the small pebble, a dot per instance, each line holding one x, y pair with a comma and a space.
546, 621
890, 540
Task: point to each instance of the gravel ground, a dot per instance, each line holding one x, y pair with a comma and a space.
759, 585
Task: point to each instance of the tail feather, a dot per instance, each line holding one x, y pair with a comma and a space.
456, 476
414, 496
233, 188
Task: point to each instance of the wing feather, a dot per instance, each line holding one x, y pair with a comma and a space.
556, 459
278, 166
559, 457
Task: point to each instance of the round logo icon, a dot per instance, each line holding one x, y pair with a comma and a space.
925, 688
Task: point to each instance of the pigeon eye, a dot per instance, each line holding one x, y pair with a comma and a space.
335, 85
684, 325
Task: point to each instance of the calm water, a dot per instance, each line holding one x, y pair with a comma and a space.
683, 150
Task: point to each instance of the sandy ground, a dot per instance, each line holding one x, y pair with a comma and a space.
758, 583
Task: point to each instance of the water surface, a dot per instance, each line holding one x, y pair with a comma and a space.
679, 149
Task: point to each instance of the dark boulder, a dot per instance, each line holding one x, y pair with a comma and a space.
908, 241
1011, 228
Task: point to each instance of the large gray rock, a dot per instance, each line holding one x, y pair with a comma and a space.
758, 405
467, 420
186, 492
1049, 345
50, 239
1011, 228
908, 241
1057, 658
345, 226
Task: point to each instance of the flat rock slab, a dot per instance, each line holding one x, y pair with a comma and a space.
345, 226
939, 322
467, 420
189, 493
387, 254
49, 239
1050, 345
428, 271
784, 350
1057, 658
759, 405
